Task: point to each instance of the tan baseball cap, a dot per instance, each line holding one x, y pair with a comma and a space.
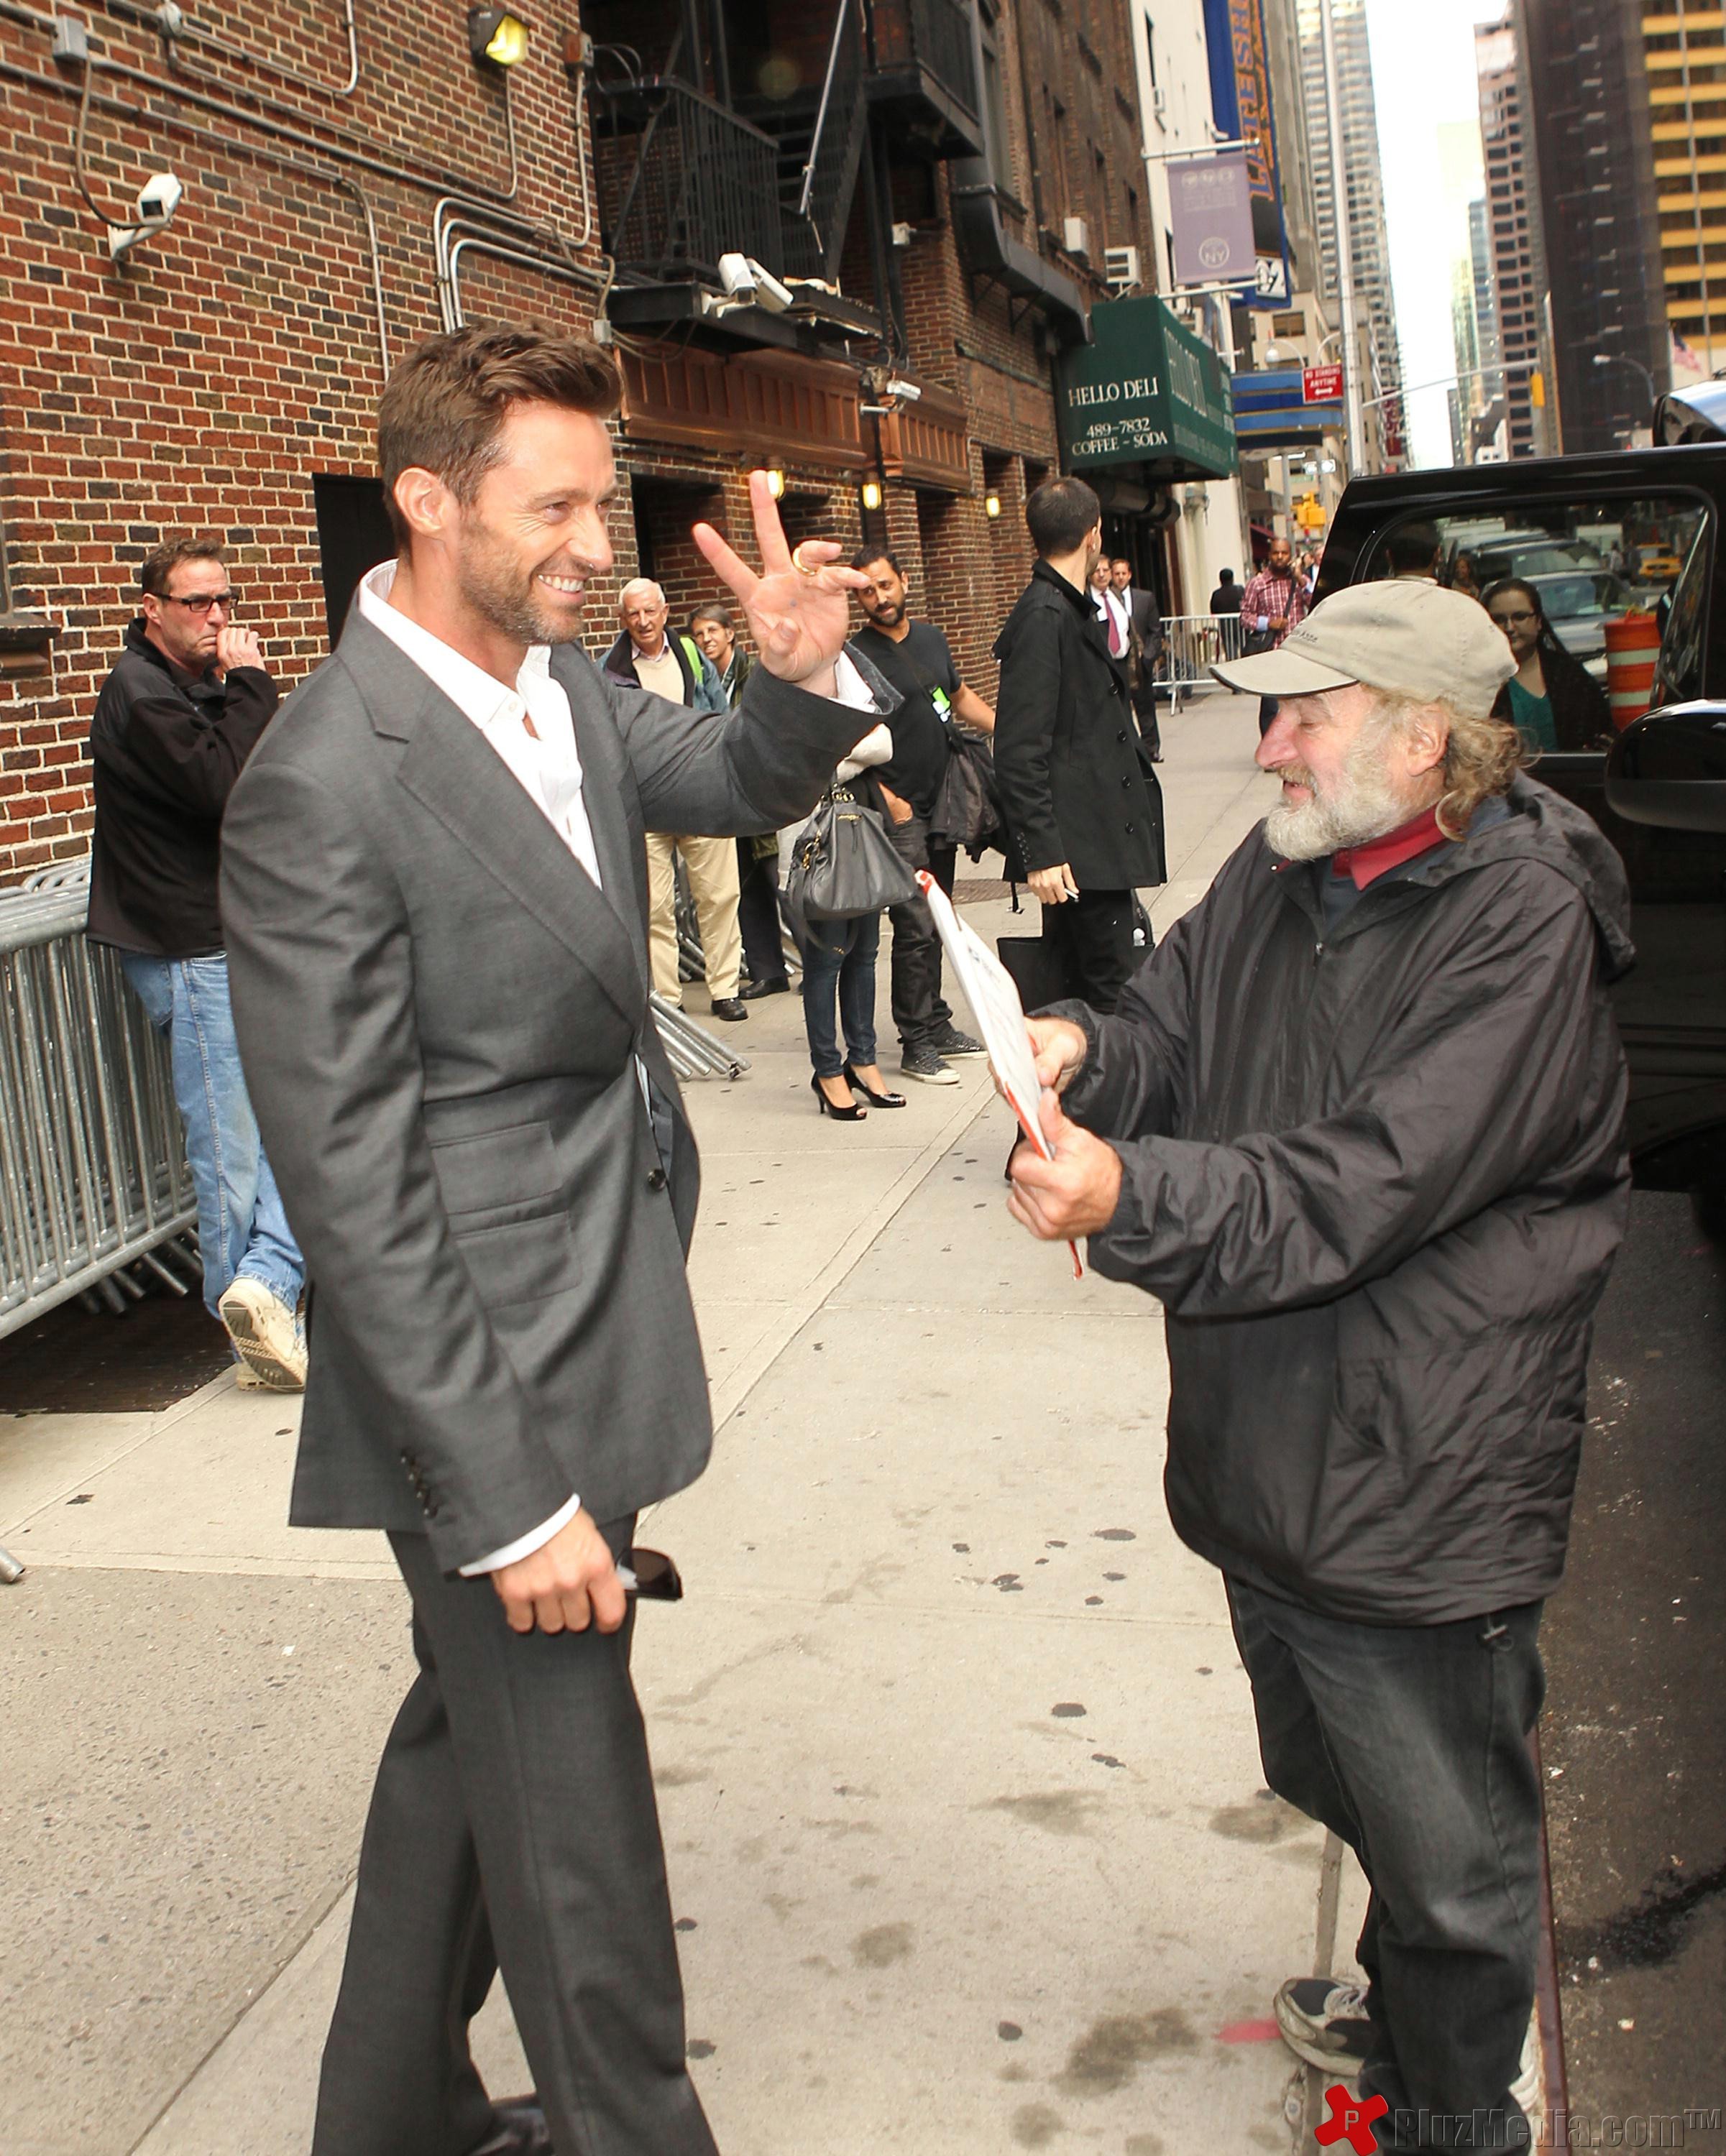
1407, 635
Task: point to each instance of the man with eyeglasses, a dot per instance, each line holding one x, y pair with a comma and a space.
174, 724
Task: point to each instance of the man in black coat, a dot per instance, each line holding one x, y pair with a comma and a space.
1071, 770
1145, 621
177, 719
1358, 1127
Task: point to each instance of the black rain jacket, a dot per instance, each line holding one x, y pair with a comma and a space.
1377, 1179
166, 749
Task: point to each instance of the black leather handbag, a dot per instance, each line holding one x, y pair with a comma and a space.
843, 862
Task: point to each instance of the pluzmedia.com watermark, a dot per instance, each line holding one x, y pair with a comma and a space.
1367, 2125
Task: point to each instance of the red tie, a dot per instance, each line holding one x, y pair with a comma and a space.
1117, 643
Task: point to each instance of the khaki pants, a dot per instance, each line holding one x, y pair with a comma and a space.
712, 866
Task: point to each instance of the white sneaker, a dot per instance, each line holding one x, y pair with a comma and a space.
267, 1334
1324, 2021
1529, 2087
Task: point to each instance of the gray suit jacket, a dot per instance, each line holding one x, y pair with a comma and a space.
439, 1016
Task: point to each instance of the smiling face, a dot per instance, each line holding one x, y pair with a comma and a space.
714, 641
1348, 773
1121, 575
519, 556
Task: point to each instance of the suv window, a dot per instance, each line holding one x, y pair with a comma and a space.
1589, 561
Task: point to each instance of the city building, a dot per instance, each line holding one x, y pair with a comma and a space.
852, 244
1368, 241
1513, 231
1585, 89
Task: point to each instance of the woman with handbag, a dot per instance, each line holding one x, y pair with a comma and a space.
839, 955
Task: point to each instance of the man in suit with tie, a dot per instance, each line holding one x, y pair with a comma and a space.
435, 885
1144, 623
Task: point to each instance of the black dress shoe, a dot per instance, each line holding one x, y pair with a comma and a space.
730, 1008
520, 2130
775, 985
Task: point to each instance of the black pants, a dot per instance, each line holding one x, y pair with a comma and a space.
759, 914
1410, 1743
920, 1012
1144, 706
1093, 935
512, 1823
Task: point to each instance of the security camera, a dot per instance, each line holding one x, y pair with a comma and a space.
902, 392
770, 292
734, 276
158, 199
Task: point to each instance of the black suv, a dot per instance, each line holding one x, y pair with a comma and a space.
1650, 526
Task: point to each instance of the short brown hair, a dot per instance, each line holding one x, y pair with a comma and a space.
159, 564
1059, 514
442, 408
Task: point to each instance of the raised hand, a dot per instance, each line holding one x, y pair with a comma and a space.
799, 609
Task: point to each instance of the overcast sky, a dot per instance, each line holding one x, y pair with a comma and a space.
1423, 77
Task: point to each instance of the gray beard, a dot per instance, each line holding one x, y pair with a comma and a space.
490, 588
1364, 807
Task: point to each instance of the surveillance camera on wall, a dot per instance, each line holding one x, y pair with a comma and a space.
748, 284
902, 392
158, 199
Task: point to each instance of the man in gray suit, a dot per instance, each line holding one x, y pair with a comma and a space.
434, 888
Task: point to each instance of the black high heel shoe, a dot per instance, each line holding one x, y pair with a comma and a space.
875, 1099
852, 1115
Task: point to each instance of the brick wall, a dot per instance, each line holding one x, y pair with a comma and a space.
205, 382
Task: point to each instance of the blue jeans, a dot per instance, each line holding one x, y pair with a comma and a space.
1409, 1741
241, 1226
841, 952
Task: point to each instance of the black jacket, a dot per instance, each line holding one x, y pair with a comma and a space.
1377, 1178
1580, 716
166, 750
1074, 784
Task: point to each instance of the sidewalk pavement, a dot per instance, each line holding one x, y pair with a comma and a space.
968, 1837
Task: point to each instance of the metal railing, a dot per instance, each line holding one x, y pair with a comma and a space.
682, 180
93, 1173
829, 171
1193, 643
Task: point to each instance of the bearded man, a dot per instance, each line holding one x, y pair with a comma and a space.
435, 879
1357, 1125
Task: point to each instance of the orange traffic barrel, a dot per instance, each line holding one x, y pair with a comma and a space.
1632, 646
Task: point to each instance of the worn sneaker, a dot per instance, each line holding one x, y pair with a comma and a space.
924, 1064
1529, 2087
950, 1042
1325, 2022
266, 1333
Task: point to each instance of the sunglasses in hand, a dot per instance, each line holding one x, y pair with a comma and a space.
651, 1576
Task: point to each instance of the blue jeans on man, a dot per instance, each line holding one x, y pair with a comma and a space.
242, 1230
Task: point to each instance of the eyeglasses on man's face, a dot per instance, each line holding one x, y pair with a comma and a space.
200, 603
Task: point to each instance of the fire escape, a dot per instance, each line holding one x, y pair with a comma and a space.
733, 138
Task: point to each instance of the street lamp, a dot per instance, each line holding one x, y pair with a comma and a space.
1624, 359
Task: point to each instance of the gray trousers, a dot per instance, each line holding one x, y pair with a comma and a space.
513, 1825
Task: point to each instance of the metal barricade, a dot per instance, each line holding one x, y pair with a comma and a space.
1193, 643
93, 1173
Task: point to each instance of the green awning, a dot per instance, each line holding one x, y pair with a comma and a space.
1146, 391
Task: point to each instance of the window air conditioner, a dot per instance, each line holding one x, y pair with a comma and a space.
1120, 268
1076, 237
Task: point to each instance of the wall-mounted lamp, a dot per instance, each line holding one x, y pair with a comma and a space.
991, 505
871, 493
494, 34
776, 482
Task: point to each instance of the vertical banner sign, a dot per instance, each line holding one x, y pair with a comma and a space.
1210, 219
1240, 104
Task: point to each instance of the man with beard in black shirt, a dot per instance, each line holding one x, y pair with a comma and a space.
917, 660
